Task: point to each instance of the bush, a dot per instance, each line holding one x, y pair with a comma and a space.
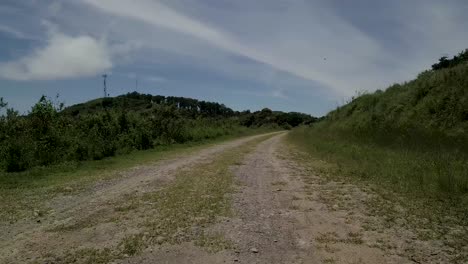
106, 127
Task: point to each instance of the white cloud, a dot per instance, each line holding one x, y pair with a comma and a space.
133, 75
279, 94
63, 57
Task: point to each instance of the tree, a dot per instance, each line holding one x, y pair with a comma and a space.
445, 62
3, 104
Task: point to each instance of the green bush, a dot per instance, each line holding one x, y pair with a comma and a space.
106, 127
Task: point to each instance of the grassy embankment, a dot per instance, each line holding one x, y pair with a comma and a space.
409, 143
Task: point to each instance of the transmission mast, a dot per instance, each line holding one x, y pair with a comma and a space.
104, 76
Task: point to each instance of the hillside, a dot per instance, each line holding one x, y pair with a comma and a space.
422, 123
435, 100
408, 146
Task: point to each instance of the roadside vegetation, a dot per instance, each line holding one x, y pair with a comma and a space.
410, 143
50, 135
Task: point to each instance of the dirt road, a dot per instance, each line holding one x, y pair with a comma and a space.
281, 213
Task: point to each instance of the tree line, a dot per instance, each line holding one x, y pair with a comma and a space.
50, 134
445, 62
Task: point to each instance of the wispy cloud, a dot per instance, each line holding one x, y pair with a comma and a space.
152, 78
14, 32
279, 94
155, 79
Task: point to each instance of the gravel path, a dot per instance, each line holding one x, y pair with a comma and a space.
26, 240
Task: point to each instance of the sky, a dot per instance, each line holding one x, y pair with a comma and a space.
291, 55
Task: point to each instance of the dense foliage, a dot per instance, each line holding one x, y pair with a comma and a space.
445, 62
106, 127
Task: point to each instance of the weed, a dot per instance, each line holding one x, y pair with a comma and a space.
279, 183
354, 238
131, 245
326, 238
329, 260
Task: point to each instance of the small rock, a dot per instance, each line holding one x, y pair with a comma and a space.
278, 190
400, 222
125, 255
275, 240
254, 250
160, 239
236, 260
68, 189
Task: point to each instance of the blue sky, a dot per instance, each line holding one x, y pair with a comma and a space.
291, 55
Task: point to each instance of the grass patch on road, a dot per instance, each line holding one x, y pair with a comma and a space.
195, 199
179, 212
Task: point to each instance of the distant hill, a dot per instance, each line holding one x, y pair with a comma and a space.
137, 102
188, 107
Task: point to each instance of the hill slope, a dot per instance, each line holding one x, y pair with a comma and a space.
436, 100
409, 145
419, 127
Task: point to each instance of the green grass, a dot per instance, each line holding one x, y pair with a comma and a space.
425, 172
429, 183
25, 192
434, 101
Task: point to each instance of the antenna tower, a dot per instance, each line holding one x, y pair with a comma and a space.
104, 76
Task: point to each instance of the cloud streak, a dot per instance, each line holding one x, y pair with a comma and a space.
282, 57
13, 32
